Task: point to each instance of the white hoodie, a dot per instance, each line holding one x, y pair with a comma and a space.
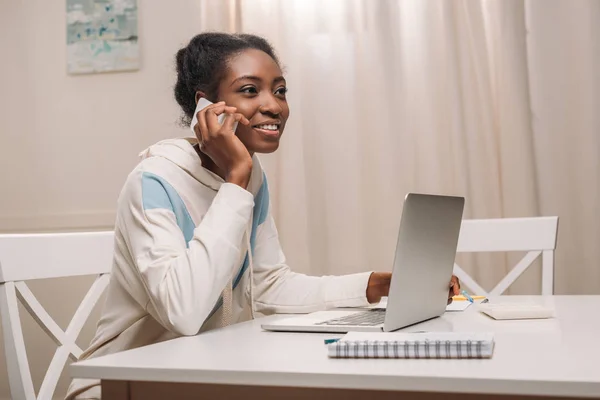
181, 264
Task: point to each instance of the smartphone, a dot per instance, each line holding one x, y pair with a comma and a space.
202, 104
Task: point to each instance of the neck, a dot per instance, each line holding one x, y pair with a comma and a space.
209, 164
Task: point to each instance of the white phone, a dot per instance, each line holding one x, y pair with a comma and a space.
203, 103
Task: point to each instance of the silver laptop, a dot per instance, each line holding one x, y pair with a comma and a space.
423, 265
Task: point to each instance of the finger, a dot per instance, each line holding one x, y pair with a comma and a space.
451, 291
201, 128
217, 107
223, 109
230, 119
243, 120
212, 117
455, 285
212, 120
220, 108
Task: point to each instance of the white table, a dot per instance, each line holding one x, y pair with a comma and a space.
557, 357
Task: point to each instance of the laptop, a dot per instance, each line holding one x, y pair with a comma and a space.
423, 264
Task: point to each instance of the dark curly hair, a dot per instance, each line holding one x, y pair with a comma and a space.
202, 63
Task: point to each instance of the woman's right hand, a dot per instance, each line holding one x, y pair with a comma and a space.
220, 143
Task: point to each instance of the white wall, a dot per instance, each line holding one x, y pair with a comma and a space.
68, 142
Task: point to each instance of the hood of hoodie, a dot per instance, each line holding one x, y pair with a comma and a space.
181, 152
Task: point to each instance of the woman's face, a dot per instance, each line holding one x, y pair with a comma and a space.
255, 85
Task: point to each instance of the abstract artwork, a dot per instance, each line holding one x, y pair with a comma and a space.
102, 36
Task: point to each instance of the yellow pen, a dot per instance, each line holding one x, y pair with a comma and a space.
463, 298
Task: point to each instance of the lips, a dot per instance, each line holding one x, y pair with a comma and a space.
270, 129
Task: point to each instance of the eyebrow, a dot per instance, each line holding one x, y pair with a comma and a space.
256, 78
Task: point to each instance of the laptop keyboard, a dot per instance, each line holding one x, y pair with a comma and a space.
365, 318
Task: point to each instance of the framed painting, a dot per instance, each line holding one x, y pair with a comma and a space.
102, 36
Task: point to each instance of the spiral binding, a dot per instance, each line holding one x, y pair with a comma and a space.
407, 349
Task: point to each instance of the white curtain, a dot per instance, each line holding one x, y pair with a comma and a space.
494, 100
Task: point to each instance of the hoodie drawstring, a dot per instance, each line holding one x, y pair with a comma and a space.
227, 294
251, 270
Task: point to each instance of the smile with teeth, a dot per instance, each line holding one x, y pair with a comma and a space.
268, 127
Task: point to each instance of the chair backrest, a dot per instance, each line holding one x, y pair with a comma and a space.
537, 236
40, 256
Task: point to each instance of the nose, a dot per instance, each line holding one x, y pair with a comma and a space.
270, 105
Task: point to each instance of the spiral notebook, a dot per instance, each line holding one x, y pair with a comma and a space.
413, 345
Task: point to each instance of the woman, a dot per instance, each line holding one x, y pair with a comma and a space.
196, 247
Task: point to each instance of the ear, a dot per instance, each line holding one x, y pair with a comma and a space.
200, 94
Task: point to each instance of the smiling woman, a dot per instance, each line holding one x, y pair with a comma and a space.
196, 247
240, 73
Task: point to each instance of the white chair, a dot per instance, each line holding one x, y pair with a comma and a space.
41, 256
537, 236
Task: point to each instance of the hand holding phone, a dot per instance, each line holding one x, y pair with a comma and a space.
203, 103
214, 125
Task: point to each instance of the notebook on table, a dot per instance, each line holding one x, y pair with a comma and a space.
413, 345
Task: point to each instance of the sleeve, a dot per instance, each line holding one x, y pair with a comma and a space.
279, 290
182, 278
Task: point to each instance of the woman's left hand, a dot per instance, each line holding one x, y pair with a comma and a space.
379, 286
454, 288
